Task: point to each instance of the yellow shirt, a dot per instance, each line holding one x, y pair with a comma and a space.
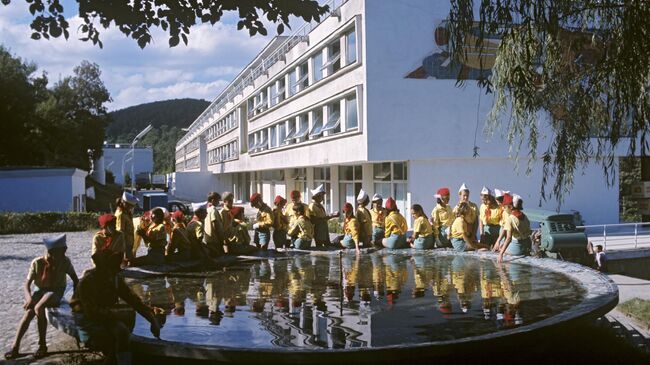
101, 242
302, 228
395, 224
239, 235
317, 210
422, 227
157, 235
495, 215
55, 279
226, 219
124, 224
213, 227
195, 230
288, 211
365, 222
378, 217
504, 217
520, 227
264, 217
472, 217
441, 216
280, 221
458, 228
351, 227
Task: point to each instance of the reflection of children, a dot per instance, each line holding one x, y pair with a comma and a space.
48, 275
600, 259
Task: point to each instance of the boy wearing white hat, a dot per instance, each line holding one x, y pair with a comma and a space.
472, 216
364, 218
48, 274
319, 217
378, 216
124, 221
489, 218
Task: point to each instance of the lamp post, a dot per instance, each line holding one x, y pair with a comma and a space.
135, 140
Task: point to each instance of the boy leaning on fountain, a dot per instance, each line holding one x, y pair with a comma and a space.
48, 274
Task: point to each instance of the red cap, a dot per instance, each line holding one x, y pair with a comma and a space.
234, 211
279, 199
178, 215
507, 199
255, 196
443, 191
445, 308
348, 208
390, 204
295, 194
104, 219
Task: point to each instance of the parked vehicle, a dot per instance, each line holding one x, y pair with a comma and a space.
174, 205
142, 180
159, 182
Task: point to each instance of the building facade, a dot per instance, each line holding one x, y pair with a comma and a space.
366, 99
43, 190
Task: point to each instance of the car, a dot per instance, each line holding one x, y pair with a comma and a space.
174, 205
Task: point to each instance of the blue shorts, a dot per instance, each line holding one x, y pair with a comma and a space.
301, 244
262, 237
490, 234
348, 242
423, 243
519, 247
55, 299
377, 234
458, 244
395, 241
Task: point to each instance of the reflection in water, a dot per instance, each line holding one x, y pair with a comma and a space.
327, 301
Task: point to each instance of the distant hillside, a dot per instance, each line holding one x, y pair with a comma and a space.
167, 117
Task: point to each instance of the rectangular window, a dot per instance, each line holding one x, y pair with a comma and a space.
381, 171
293, 83
322, 173
303, 127
274, 94
291, 131
333, 124
303, 82
318, 66
351, 48
282, 133
274, 137
251, 106
281, 90
317, 123
351, 113
333, 63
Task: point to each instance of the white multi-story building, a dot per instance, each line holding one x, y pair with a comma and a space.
366, 99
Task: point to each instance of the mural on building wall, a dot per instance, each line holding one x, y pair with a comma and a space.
440, 65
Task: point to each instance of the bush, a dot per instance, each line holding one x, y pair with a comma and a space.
46, 222
335, 225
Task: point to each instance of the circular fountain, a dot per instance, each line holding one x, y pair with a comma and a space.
322, 307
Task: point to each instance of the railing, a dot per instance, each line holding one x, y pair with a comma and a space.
622, 236
248, 76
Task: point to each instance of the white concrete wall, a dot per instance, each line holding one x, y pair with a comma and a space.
143, 161
40, 190
195, 186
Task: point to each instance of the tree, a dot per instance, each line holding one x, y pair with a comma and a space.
586, 63
136, 18
50, 127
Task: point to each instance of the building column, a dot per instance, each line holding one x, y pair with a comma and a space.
367, 179
334, 182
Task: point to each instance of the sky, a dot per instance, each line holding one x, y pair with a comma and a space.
213, 57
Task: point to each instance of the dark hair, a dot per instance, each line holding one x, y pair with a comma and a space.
299, 208
213, 196
157, 212
417, 208
119, 203
520, 205
462, 209
599, 247
201, 213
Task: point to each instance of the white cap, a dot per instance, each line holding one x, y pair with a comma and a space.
463, 187
486, 191
129, 198
362, 195
197, 206
55, 242
516, 199
437, 196
377, 197
499, 193
320, 189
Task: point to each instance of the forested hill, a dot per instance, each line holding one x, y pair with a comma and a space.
167, 118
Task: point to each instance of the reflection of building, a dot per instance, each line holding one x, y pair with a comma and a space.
332, 106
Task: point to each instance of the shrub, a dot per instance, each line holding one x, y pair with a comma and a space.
335, 225
47, 222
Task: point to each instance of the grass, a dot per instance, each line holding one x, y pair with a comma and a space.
637, 308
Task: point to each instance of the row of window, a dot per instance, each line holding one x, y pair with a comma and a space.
226, 124
324, 62
180, 166
192, 163
325, 120
223, 153
193, 145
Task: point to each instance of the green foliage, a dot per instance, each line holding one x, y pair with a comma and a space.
50, 127
167, 118
630, 173
637, 308
135, 19
335, 225
46, 222
583, 63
